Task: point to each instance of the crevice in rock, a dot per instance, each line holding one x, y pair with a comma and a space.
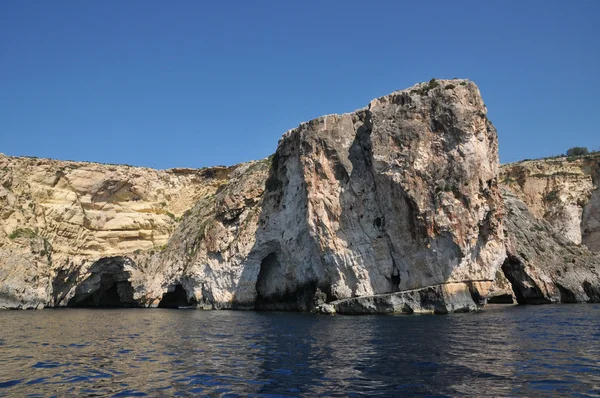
62, 283
590, 222
593, 292
176, 297
566, 295
476, 296
525, 288
395, 277
107, 286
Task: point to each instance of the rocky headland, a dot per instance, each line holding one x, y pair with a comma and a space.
400, 206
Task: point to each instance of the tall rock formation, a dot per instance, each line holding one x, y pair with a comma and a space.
392, 208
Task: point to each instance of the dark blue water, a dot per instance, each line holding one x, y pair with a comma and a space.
502, 351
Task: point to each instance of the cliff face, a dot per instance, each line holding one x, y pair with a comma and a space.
394, 207
57, 218
553, 229
398, 196
543, 265
563, 191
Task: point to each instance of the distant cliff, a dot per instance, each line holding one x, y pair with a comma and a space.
395, 207
563, 191
553, 229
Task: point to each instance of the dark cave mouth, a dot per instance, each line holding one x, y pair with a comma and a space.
176, 298
506, 298
111, 294
108, 286
272, 294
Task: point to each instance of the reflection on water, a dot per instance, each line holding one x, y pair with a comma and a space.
502, 351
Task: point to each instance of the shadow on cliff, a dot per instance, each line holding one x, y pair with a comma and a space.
269, 277
273, 276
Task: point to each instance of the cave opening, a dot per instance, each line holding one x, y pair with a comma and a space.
268, 268
566, 296
505, 298
176, 297
107, 286
273, 293
524, 287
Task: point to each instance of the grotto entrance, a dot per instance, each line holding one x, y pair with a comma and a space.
506, 298
107, 286
273, 293
176, 297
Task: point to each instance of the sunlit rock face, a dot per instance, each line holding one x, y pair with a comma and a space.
397, 197
553, 224
58, 218
400, 195
96, 209
543, 265
563, 191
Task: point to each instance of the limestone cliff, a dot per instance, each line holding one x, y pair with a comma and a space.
563, 191
543, 265
553, 228
397, 196
59, 217
394, 207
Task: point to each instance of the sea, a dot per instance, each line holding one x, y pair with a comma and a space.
551, 350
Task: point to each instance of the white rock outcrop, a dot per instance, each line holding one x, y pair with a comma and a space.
401, 195
395, 206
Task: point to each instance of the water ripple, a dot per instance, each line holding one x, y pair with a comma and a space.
503, 351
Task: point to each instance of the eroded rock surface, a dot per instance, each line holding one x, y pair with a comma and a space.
438, 299
563, 191
59, 218
395, 203
543, 265
397, 196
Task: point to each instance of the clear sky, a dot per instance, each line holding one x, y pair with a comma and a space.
199, 83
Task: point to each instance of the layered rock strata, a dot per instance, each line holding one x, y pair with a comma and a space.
563, 191
558, 199
59, 218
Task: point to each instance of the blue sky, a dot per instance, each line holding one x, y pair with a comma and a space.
200, 83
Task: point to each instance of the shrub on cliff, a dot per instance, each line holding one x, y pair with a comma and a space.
577, 151
22, 233
426, 87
